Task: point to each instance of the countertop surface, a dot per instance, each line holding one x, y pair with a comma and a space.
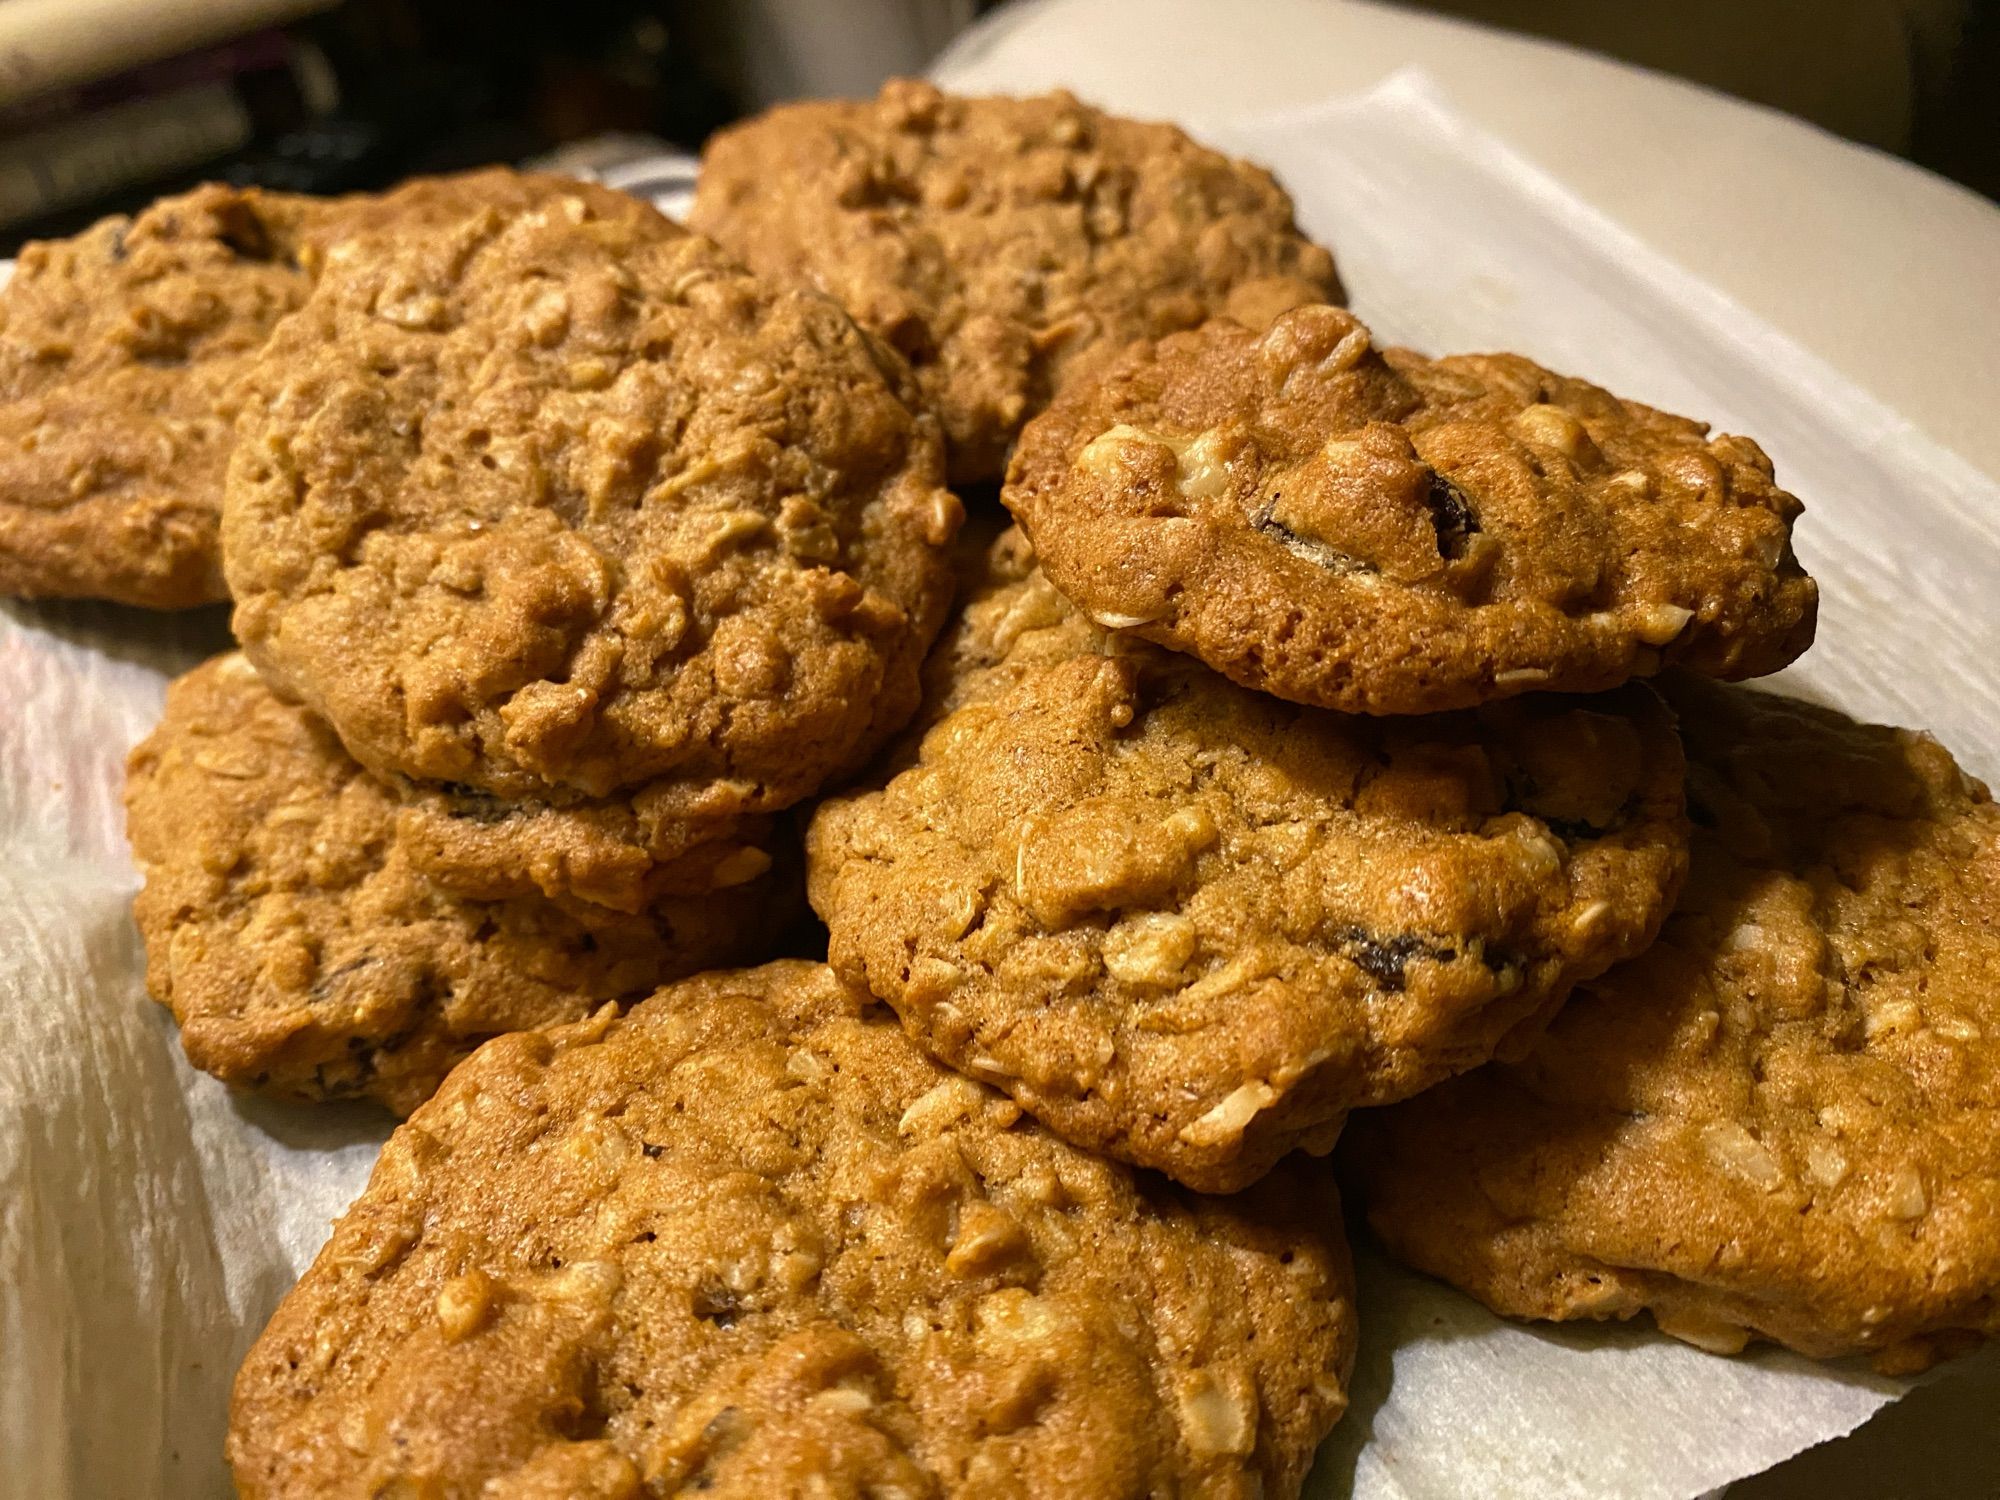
1885, 272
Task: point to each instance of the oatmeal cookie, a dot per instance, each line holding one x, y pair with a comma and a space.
122, 352
1191, 926
1390, 534
1004, 246
1781, 1122
748, 1241
553, 504
303, 954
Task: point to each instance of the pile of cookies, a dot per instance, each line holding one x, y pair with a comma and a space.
1331, 775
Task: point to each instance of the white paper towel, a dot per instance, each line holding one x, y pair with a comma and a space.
149, 1220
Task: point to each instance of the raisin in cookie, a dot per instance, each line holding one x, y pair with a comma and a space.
1192, 926
1004, 245
748, 1241
1781, 1122
1391, 534
303, 955
553, 504
121, 351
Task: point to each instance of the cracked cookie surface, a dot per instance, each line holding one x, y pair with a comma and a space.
555, 503
1783, 1120
1004, 246
749, 1241
1383, 533
1192, 926
302, 952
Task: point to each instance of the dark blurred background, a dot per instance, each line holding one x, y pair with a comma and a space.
107, 103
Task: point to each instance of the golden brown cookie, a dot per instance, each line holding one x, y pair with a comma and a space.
1781, 1122
749, 1242
1394, 535
621, 852
1191, 926
122, 351
1007, 617
120, 354
555, 504
303, 954
1004, 245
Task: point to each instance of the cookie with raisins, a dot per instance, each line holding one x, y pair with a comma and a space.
1191, 925
1381, 533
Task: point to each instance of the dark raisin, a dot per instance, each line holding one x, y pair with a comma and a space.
1384, 959
652, 1152
1452, 516
1327, 557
